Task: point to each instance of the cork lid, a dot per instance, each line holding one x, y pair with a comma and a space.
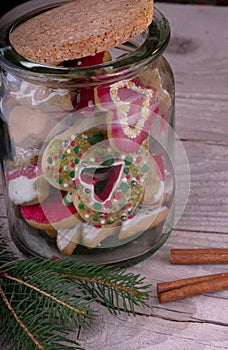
80, 28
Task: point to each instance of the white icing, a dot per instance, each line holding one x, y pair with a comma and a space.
22, 190
29, 91
139, 218
160, 191
91, 186
90, 232
67, 235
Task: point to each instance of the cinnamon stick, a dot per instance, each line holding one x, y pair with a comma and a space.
166, 286
198, 287
199, 256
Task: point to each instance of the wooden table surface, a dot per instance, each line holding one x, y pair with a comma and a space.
198, 53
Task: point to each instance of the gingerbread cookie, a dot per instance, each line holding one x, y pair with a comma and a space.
154, 182
152, 79
42, 97
27, 127
27, 186
145, 219
93, 235
151, 211
51, 214
68, 239
64, 153
131, 111
22, 157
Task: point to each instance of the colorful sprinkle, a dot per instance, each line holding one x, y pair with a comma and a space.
107, 204
145, 168
76, 182
96, 138
97, 206
124, 187
128, 160
72, 174
139, 159
49, 160
108, 162
117, 195
76, 149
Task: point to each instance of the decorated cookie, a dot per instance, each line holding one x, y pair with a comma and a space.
42, 98
110, 186
152, 79
51, 232
84, 102
68, 239
88, 61
93, 235
22, 157
151, 211
131, 110
27, 186
106, 185
154, 182
27, 127
145, 219
64, 153
88, 235
51, 214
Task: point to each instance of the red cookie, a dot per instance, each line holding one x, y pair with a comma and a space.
52, 213
84, 100
131, 111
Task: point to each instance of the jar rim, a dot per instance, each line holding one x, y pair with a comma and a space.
156, 38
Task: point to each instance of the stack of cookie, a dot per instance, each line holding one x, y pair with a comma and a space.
82, 167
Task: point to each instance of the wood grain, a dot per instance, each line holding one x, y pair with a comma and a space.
210, 116
198, 49
207, 206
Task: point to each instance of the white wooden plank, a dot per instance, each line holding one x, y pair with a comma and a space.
198, 49
207, 205
152, 333
202, 119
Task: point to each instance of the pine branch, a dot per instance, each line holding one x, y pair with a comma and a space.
109, 285
42, 301
48, 295
22, 325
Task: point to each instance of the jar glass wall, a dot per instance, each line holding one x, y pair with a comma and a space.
87, 150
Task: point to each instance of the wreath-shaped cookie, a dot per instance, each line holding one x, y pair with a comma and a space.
106, 186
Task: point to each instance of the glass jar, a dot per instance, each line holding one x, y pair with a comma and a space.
87, 148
